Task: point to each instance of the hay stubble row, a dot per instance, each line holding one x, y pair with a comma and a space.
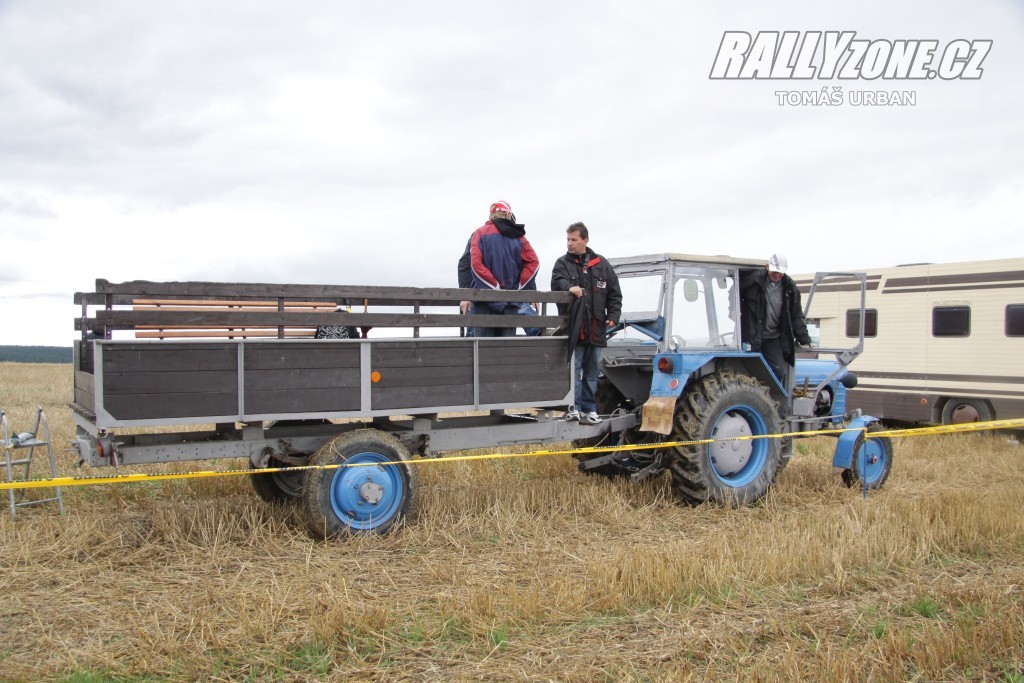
525, 569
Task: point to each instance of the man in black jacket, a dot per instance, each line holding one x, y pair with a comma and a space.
771, 316
591, 279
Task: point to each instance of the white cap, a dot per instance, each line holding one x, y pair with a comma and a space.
778, 263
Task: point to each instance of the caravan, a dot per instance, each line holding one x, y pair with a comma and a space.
943, 343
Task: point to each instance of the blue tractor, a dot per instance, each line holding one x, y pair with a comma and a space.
677, 361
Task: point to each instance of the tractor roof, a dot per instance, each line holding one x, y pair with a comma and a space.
654, 259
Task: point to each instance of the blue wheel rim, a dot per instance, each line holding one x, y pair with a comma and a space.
871, 460
759, 448
370, 496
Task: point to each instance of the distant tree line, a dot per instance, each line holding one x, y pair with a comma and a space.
35, 354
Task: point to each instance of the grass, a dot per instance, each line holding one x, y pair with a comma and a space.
523, 569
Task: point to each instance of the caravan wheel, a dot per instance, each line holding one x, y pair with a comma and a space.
961, 410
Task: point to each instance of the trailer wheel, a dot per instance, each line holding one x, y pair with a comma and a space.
873, 458
736, 472
277, 487
364, 493
280, 487
961, 410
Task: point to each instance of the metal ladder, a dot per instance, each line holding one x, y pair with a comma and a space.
30, 440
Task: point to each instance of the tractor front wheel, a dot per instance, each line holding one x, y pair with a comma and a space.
872, 460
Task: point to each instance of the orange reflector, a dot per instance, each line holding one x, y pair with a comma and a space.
666, 365
374, 376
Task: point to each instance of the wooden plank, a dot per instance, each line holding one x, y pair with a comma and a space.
340, 293
128, 357
300, 380
85, 399
512, 373
411, 355
264, 333
165, 406
126, 320
249, 305
85, 381
85, 390
552, 352
313, 400
384, 398
427, 376
524, 392
320, 354
178, 381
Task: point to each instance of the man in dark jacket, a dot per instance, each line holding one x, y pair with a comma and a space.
501, 258
591, 279
771, 316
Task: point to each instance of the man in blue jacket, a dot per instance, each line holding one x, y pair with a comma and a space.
501, 258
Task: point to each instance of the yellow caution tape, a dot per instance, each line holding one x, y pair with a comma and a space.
131, 478
951, 429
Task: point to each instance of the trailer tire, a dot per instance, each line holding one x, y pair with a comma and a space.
962, 410
738, 472
277, 487
281, 487
873, 457
372, 498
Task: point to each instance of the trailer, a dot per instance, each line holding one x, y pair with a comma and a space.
176, 371
944, 343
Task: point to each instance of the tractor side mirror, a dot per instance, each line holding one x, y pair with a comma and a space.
690, 291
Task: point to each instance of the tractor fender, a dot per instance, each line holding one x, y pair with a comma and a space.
666, 387
843, 456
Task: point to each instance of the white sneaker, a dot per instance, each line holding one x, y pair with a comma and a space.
590, 418
572, 414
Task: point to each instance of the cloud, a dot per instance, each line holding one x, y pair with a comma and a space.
361, 144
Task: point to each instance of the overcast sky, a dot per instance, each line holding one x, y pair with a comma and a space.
361, 143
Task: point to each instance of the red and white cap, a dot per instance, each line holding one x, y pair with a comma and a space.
500, 206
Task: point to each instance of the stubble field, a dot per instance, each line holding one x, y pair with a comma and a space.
522, 569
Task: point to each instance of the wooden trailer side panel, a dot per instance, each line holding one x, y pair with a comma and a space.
161, 382
420, 374
301, 378
518, 370
157, 381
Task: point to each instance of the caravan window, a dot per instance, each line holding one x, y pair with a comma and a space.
951, 321
870, 322
1015, 320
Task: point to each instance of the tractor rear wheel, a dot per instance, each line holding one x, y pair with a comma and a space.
740, 471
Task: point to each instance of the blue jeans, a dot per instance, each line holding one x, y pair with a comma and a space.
528, 309
510, 309
586, 367
484, 309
